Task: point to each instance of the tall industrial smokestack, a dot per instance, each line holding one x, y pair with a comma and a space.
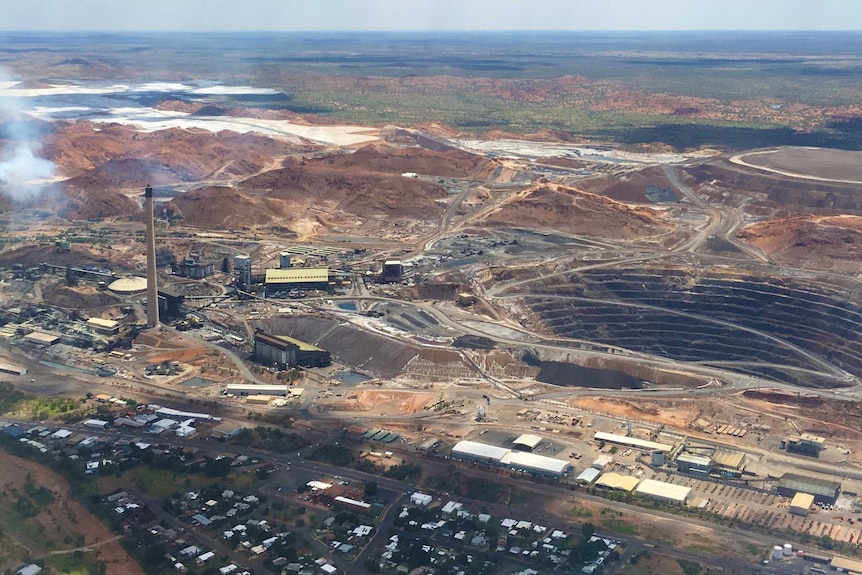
152, 288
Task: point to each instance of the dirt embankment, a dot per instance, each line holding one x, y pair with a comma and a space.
830, 243
645, 186
576, 212
782, 398
29, 256
99, 162
63, 519
386, 159
311, 190
770, 195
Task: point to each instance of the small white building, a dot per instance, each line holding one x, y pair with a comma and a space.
420, 499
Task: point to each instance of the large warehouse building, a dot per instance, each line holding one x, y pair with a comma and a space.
514, 460
283, 352
823, 490
535, 464
481, 452
667, 492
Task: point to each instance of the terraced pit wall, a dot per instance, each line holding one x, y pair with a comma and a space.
796, 331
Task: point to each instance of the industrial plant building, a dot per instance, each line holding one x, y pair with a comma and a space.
392, 271
728, 463
103, 326
284, 352
632, 442
284, 280
694, 464
806, 444
514, 460
823, 490
242, 389
193, 269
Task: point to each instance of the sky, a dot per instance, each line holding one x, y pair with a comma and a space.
424, 15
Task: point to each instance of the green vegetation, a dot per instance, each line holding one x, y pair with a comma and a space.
620, 526
332, 454
271, 439
404, 471
10, 398
77, 563
477, 488
689, 567
578, 511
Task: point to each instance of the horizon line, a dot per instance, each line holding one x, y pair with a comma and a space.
432, 30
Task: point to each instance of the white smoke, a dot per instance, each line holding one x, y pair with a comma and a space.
22, 171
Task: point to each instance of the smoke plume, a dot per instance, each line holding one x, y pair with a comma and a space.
22, 171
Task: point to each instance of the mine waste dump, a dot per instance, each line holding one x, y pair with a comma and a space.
561, 373
795, 331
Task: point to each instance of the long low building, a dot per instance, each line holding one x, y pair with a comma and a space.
632, 442
536, 464
256, 389
514, 460
846, 565
616, 481
663, 491
475, 451
278, 280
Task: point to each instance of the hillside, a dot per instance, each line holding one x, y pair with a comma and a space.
450, 163
831, 243
572, 211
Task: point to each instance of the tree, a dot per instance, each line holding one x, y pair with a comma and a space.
588, 529
371, 489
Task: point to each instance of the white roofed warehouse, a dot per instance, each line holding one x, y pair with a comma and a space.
667, 492
536, 464
481, 452
527, 442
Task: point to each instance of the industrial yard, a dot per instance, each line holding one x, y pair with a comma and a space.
530, 351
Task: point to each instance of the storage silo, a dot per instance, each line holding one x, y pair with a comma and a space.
788, 549
777, 552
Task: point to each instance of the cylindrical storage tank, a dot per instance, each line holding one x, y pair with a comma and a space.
777, 552
788, 549
657, 458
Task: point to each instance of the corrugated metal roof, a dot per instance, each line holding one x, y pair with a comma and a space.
812, 485
589, 474
727, 458
303, 345
613, 480
481, 450
528, 440
297, 275
802, 500
848, 565
99, 322
664, 490
632, 441
693, 459
532, 462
